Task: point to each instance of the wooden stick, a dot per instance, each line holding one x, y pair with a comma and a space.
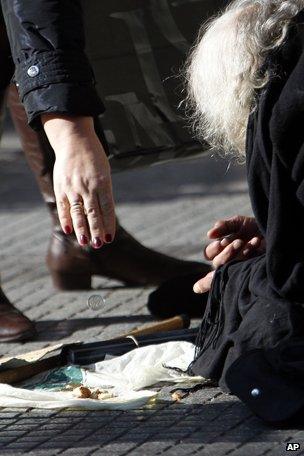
178, 322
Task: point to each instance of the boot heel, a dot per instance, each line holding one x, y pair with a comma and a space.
69, 281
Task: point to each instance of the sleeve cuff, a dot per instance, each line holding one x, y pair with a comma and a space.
62, 98
53, 67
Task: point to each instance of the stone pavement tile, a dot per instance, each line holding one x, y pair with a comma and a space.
255, 449
183, 449
13, 452
6, 441
150, 448
42, 452
74, 451
115, 448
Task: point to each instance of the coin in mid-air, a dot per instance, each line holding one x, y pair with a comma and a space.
95, 302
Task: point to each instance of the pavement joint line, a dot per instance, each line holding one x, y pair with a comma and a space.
38, 235
244, 419
131, 428
19, 221
198, 428
18, 245
25, 309
163, 222
21, 273
57, 412
16, 421
92, 432
241, 444
187, 412
50, 311
108, 295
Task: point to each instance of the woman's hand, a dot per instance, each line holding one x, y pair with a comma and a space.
82, 179
237, 238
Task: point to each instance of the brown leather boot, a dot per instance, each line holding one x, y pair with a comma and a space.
72, 266
14, 326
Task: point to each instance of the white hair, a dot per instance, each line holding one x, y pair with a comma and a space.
223, 71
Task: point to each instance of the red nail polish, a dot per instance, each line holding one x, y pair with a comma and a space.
97, 243
108, 238
67, 229
83, 239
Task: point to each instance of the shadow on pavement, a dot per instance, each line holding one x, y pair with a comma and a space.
49, 330
166, 422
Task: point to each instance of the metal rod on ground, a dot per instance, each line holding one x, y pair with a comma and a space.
84, 354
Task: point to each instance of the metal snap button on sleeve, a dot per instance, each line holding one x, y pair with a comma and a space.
255, 392
33, 71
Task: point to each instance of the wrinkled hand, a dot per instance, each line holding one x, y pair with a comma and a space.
237, 238
82, 179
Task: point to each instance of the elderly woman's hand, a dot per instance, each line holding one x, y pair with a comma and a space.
237, 238
82, 179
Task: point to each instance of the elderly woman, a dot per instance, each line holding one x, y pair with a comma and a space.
246, 88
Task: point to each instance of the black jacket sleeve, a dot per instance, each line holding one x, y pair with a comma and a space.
52, 71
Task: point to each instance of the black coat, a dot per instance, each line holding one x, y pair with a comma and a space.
252, 337
52, 71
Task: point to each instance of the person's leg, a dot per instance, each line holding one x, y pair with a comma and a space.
71, 266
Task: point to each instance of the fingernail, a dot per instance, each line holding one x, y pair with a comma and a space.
197, 289
225, 242
97, 242
67, 229
237, 244
83, 239
108, 238
246, 251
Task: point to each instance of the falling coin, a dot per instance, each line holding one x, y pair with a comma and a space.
95, 302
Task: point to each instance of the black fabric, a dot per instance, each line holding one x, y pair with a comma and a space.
281, 396
176, 297
49, 34
258, 304
7, 65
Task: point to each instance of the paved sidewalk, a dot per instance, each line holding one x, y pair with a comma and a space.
168, 208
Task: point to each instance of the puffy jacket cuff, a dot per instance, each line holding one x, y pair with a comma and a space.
62, 98
52, 67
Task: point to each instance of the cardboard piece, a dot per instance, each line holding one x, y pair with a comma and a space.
17, 368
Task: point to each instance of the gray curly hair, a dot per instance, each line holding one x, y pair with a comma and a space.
223, 69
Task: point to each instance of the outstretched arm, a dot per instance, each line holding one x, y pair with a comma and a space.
56, 85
